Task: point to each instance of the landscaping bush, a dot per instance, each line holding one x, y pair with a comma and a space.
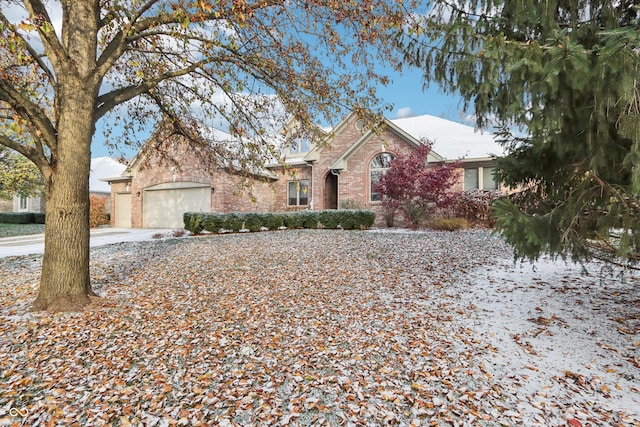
39, 218
97, 210
348, 220
449, 224
195, 222
309, 219
253, 221
292, 220
272, 221
350, 204
232, 221
365, 218
329, 219
212, 222
416, 189
475, 206
17, 217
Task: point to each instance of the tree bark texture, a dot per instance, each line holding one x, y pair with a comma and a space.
65, 282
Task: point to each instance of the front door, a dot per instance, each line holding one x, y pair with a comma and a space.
331, 191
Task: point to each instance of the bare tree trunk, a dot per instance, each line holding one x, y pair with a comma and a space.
65, 283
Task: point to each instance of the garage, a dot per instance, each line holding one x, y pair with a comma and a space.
163, 205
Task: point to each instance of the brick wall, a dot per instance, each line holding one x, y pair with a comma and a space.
354, 182
236, 193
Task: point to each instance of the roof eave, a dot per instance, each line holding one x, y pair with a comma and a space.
117, 178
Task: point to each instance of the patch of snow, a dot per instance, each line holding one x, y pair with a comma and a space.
561, 332
450, 139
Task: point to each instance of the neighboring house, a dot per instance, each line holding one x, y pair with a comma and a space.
28, 204
101, 167
6, 205
154, 193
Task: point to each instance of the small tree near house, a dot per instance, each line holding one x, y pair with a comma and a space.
416, 189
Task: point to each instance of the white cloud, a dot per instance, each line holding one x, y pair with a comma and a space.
404, 113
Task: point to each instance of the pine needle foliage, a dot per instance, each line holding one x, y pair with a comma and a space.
559, 80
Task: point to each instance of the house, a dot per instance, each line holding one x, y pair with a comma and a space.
28, 204
154, 192
156, 189
6, 205
101, 167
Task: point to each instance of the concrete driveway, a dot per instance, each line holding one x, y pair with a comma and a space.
34, 244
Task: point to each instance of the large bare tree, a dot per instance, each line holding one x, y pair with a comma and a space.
68, 64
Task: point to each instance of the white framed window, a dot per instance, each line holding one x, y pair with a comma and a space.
470, 179
488, 179
377, 168
480, 178
298, 193
23, 203
300, 145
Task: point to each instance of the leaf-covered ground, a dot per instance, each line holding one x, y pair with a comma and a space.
324, 328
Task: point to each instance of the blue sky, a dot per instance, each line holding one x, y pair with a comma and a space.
405, 92
409, 99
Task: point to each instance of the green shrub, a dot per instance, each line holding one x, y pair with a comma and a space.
252, 221
38, 218
232, 221
449, 224
309, 219
329, 219
17, 217
365, 219
212, 222
273, 220
347, 219
292, 220
193, 222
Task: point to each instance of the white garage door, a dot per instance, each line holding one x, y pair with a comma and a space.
164, 205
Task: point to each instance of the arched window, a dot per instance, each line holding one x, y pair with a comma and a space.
377, 168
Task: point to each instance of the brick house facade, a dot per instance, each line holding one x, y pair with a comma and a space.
154, 192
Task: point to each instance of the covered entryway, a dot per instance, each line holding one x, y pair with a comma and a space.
164, 205
122, 210
331, 191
